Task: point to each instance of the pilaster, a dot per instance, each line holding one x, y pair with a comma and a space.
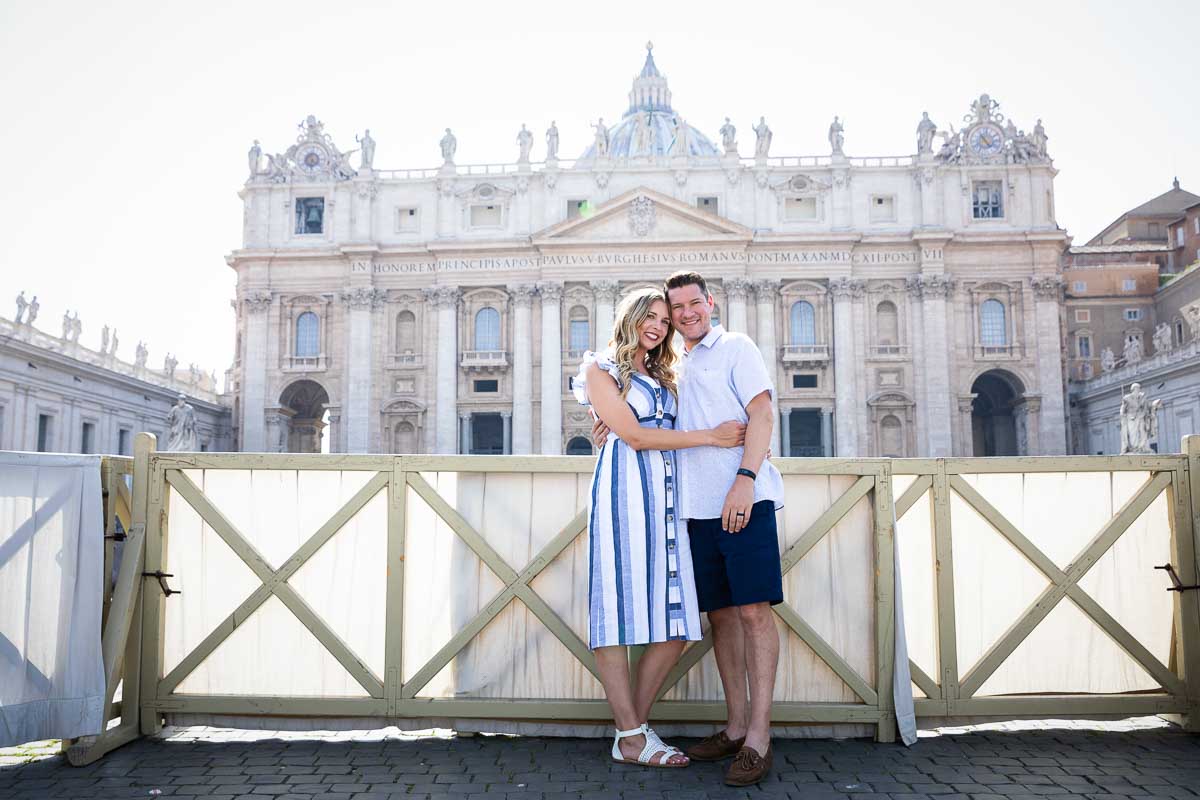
844, 290
551, 438
362, 303
522, 414
257, 306
444, 300
736, 291
1047, 292
606, 293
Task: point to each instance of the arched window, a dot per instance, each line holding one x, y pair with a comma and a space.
1178, 332
887, 328
406, 332
804, 325
891, 437
308, 328
579, 446
993, 332
487, 329
579, 332
406, 438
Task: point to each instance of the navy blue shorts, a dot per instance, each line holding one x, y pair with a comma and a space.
737, 569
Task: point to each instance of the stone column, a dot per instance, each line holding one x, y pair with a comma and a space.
365, 190
446, 212
934, 289
826, 432
522, 413
736, 290
464, 434
506, 419
785, 429
842, 219
254, 373
844, 368
606, 293
361, 305
551, 294
766, 294
445, 300
1052, 433
966, 430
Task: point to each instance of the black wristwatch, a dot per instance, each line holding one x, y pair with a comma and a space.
748, 473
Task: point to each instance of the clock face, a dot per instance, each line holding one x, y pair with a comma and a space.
311, 158
987, 140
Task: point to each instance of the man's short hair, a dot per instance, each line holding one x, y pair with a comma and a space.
685, 278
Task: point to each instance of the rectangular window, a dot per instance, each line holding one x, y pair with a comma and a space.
1079, 286
578, 208
407, 220
987, 200
1197, 226
45, 421
804, 381
708, 204
486, 216
1128, 285
883, 209
486, 386
800, 209
1179, 236
487, 435
1084, 346
87, 439
1133, 314
1155, 230
123, 437
310, 215
579, 335
1083, 315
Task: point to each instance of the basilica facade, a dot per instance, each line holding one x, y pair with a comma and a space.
907, 306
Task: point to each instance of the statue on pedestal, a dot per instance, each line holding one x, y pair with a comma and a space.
449, 145
34, 306
193, 374
729, 138
1133, 350
601, 138
76, 328
169, 364
1139, 421
525, 143
679, 145
367, 145
1039, 139
836, 137
66, 326
1108, 360
762, 142
112, 351
552, 141
22, 305
140, 355
1162, 338
643, 135
1192, 314
254, 156
104, 333
926, 128
181, 425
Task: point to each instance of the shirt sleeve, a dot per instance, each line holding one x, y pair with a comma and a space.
749, 375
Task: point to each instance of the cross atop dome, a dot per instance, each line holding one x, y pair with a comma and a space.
649, 92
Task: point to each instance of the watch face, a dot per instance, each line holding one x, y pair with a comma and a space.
987, 140
311, 158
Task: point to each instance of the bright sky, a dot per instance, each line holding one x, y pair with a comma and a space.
125, 125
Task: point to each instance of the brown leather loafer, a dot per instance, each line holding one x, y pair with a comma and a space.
715, 748
748, 767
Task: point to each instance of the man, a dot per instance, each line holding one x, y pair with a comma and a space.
729, 497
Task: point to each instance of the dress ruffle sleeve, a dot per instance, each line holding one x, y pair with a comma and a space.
606, 363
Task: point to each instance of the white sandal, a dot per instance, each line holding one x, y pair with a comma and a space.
653, 745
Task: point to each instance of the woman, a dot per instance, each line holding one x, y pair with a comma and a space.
640, 588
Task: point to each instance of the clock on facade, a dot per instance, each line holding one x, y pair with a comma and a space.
986, 140
311, 158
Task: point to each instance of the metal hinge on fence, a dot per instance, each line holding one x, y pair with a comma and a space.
1177, 585
162, 581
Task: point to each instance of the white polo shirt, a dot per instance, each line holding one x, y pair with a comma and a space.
721, 374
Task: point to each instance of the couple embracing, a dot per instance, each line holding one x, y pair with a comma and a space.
682, 521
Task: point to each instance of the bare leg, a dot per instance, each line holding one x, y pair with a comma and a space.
652, 670
762, 659
730, 650
613, 666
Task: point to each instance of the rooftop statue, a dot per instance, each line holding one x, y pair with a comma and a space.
449, 146
552, 141
181, 424
254, 157
1139, 421
368, 149
22, 305
679, 145
836, 137
926, 128
1039, 139
34, 307
729, 137
525, 142
1108, 360
1162, 338
601, 138
762, 144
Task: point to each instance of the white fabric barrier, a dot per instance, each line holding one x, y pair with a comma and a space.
515, 656
51, 589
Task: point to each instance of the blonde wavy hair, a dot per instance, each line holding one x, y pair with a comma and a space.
661, 361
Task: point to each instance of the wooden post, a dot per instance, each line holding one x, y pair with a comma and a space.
944, 592
393, 645
885, 605
1185, 544
149, 501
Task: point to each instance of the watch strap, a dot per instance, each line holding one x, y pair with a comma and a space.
748, 473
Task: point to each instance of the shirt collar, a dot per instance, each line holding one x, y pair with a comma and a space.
711, 338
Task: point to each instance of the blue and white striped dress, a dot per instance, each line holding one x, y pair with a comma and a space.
641, 588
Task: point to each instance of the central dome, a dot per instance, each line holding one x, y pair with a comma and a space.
650, 127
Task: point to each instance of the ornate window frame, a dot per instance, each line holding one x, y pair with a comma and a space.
898, 404
802, 187
400, 411
474, 301
485, 194
1010, 296
303, 192
398, 304
581, 296
292, 308
816, 355
895, 293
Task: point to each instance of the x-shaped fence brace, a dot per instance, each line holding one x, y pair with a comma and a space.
516, 585
1063, 583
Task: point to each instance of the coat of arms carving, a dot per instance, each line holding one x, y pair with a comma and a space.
641, 215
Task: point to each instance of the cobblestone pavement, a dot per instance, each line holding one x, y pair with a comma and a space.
1142, 757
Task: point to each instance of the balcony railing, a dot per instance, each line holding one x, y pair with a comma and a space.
484, 360
797, 353
998, 352
888, 351
405, 360
318, 363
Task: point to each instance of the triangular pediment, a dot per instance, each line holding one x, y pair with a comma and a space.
643, 215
